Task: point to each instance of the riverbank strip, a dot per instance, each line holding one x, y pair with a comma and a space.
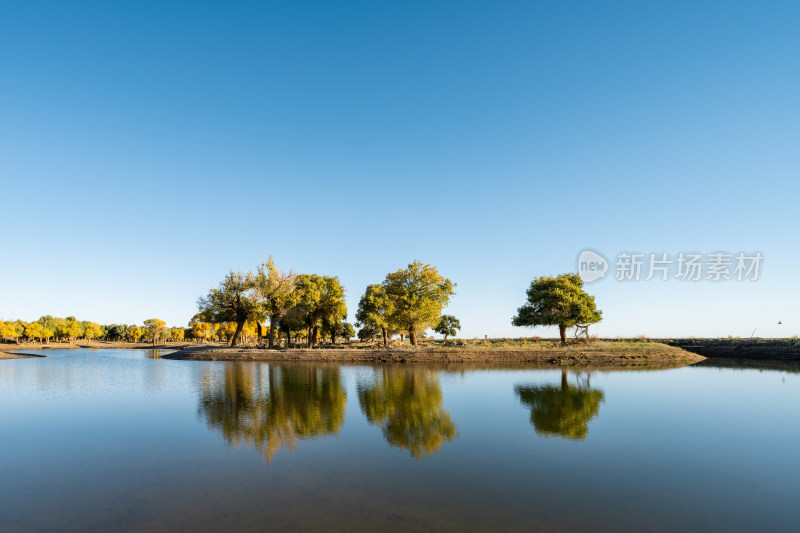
663, 357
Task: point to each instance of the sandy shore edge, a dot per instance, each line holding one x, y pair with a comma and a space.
18, 355
670, 357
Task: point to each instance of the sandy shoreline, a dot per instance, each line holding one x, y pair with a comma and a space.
585, 357
18, 355
639, 353
22, 350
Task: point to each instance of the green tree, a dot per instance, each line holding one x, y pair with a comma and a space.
292, 323
49, 326
235, 300
374, 309
448, 326
561, 411
367, 333
320, 299
116, 332
559, 301
418, 294
156, 329
347, 331
407, 404
276, 289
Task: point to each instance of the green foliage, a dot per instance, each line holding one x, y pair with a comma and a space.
276, 291
448, 326
347, 331
374, 308
320, 301
559, 301
418, 294
235, 300
367, 333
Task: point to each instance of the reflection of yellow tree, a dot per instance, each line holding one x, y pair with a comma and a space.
272, 411
407, 404
561, 411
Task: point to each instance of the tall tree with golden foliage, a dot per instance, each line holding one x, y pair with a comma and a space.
156, 329
276, 290
418, 294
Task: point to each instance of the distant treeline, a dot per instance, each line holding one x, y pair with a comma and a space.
71, 329
272, 303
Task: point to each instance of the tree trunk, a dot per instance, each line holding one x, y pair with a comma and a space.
260, 331
445, 337
273, 321
314, 335
412, 336
237, 337
385, 337
562, 331
309, 341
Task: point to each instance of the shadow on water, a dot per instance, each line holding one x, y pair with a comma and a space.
562, 411
271, 407
791, 367
406, 403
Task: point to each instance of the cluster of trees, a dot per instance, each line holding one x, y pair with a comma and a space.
290, 302
408, 301
70, 329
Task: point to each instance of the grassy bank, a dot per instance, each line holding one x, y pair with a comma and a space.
599, 353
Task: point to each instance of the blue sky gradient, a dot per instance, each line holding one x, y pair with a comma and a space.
148, 147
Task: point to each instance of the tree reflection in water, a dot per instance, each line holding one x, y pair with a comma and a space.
563, 411
270, 407
407, 404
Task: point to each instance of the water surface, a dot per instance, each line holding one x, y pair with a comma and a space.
120, 440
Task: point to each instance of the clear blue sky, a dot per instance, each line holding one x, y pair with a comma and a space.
148, 147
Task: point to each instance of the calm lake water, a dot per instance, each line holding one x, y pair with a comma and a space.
117, 440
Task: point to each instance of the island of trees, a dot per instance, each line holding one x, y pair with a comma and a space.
286, 308
407, 302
